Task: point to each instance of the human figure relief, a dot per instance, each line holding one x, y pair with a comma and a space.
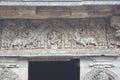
54, 38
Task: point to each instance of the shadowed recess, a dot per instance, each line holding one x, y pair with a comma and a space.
54, 70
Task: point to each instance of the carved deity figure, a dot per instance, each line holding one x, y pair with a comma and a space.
84, 40
54, 38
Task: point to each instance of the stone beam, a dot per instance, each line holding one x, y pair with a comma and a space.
58, 53
58, 3
55, 12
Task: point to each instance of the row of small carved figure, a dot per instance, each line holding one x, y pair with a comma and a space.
23, 42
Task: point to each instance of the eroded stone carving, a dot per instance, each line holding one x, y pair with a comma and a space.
7, 74
114, 38
55, 33
21, 37
101, 73
54, 38
85, 41
24, 42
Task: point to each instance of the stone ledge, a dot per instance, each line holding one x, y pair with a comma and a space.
58, 3
60, 53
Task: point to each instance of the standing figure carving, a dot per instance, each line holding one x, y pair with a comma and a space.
54, 38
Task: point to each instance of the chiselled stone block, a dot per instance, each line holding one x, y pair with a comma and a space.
8, 11
26, 11
115, 22
48, 12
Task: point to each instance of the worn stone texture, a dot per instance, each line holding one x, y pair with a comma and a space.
49, 12
73, 37
58, 34
45, 12
91, 66
13, 69
0, 33
115, 22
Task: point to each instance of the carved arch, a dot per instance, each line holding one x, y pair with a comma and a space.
96, 73
58, 25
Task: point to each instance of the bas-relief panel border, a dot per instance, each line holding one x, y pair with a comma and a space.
67, 36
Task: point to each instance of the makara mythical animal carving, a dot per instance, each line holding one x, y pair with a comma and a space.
23, 42
84, 40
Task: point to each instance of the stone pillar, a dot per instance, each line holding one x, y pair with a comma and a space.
13, 69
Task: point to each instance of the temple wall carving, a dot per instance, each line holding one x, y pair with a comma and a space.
100, 68
65, 38
13, 69
58, 34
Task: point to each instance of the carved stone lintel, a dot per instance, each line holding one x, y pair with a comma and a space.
57, 34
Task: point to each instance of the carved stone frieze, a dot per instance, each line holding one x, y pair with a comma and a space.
57, 34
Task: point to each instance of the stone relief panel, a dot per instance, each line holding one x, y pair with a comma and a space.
90, 33
56, 34
7, 74
19, 37
54, 39
100, 73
